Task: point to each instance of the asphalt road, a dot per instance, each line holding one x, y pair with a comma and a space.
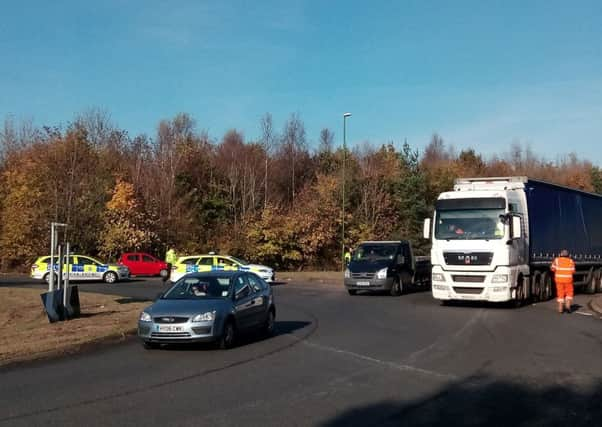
336, 360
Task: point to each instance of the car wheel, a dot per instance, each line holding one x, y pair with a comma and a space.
163, 273
150, 345
270, 323
228, 336
47, 278
352, 292
110, 277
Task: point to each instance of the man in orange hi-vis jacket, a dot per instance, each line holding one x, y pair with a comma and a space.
563, 268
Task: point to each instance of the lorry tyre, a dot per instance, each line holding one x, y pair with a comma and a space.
590, 286
396, 288
599, 280
537, 286
520, 295
546, 280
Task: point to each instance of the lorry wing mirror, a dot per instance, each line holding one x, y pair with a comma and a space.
516, 227
426, 229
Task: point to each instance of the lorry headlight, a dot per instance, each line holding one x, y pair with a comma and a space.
205, 317
499, 278
437, 277
382, 273
347, 273
145, 317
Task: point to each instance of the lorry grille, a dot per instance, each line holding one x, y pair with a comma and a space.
468, 258
468, 279
362, 275
462, 290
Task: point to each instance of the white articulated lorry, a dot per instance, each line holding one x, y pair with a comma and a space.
493, 239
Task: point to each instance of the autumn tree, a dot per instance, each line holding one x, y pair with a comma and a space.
125, 227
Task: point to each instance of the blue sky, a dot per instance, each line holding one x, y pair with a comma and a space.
483, 74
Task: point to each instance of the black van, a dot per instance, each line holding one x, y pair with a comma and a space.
386, 266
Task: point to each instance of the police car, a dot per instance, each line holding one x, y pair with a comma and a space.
212, 262
81, 267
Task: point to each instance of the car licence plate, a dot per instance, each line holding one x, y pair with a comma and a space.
363, 283
170, 328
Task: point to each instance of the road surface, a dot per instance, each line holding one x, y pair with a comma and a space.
336, 360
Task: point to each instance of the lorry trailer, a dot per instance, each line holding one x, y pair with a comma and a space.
494, 239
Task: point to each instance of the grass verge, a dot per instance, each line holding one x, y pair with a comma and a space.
27, 335
325, 277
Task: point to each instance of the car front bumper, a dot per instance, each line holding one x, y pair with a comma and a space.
369, 284
177, 332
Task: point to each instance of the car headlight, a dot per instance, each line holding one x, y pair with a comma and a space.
347, 273
205, 317
499, 278
145, 317
437, 277
382, 273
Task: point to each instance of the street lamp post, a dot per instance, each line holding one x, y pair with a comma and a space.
345, 115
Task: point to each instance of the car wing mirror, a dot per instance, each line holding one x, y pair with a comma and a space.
159, 295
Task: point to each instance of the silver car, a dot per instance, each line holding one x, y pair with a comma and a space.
211, 306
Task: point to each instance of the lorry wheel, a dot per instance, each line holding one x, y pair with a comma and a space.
352, 291
591, 286
599, 280
537, 287
521, 292
396, 288
546, 280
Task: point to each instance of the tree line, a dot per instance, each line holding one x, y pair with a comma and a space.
274, 200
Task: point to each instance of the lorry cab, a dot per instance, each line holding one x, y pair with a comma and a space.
479, 241
384, 266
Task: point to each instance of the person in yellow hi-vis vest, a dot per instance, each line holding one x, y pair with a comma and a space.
347, 256
170, 257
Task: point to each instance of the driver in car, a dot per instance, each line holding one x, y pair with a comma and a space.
200, 289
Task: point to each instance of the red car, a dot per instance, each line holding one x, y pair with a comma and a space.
143, 264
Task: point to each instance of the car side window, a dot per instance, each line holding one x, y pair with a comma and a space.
146, 258
85, 261
226, 261
206, 261
241, 287
133, 258
190, 261
255, 283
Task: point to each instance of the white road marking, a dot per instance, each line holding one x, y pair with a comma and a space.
385, 363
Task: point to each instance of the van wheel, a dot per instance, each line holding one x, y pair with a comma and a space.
352, 291
396, 288
150, 345
110, 277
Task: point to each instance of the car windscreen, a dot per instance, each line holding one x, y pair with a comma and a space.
239, 260
202, 287
375, 252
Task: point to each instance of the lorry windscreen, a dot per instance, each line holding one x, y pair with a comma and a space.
469, 224
375, 252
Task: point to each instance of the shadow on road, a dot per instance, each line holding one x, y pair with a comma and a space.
281, 328
484, 402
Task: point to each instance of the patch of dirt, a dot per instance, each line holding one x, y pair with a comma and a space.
27, 334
